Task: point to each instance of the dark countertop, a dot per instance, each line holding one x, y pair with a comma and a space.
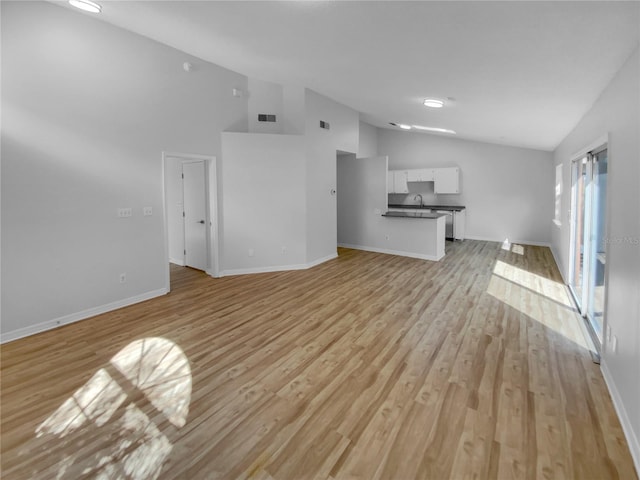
413, 215
431, 207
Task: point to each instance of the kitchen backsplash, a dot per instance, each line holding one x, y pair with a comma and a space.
428, 197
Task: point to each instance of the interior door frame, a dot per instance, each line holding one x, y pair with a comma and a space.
211, 209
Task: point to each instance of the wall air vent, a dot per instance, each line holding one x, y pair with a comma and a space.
324, 125
264, 117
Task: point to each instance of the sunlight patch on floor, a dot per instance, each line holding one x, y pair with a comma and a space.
106, 405
539, 284
95, 401
535, 304
161, 371
512, 247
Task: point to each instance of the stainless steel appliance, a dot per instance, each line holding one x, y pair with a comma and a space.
448, 231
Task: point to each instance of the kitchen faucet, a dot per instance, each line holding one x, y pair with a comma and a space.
416, 197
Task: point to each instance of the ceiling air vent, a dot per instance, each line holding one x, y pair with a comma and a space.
324, 125
264, 117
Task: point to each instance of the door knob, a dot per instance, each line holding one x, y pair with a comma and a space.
201, 221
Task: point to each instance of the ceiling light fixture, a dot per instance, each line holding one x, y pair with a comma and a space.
401, 125
434, 129
86, 5
433, 103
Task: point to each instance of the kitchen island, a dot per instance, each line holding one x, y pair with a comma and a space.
456, 216
416, 234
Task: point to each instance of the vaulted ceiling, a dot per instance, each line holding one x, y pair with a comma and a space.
516, 73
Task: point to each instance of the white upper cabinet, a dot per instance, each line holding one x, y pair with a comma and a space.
446, 180
400, 181
420, 175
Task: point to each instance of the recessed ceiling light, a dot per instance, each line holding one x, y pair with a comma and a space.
434, 129
86, 5
433, 103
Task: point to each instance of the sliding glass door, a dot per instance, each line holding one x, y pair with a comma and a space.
588, 253
597, 254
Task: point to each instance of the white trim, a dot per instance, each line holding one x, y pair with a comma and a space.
187, 156
519, 242
76, 317
318, 261
250, 271
556, 259
421, 256
165, 225
599, 142
618, 404
277, 268
175, 261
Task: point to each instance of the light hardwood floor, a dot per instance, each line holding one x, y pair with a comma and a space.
367, 366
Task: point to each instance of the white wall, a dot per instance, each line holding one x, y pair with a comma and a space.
263, 202
265, 97
321, 152
367, 141
617, 113
508, 191
87, 110
361, 199
293, 109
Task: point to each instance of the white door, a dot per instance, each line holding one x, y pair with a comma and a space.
195, 215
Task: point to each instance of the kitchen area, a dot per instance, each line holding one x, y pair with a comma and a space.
402, 212
417, 193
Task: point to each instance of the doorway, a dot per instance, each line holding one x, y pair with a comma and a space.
190, 201
588, 236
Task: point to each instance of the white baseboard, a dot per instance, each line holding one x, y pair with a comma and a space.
274, 268
176, 261
321, 260
519, 242
627, 428
277, 268
76, 317
433, 258
558, 264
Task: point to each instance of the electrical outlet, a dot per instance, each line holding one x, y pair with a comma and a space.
386, 237
251, 252
284, 250
123, 278
147, 211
